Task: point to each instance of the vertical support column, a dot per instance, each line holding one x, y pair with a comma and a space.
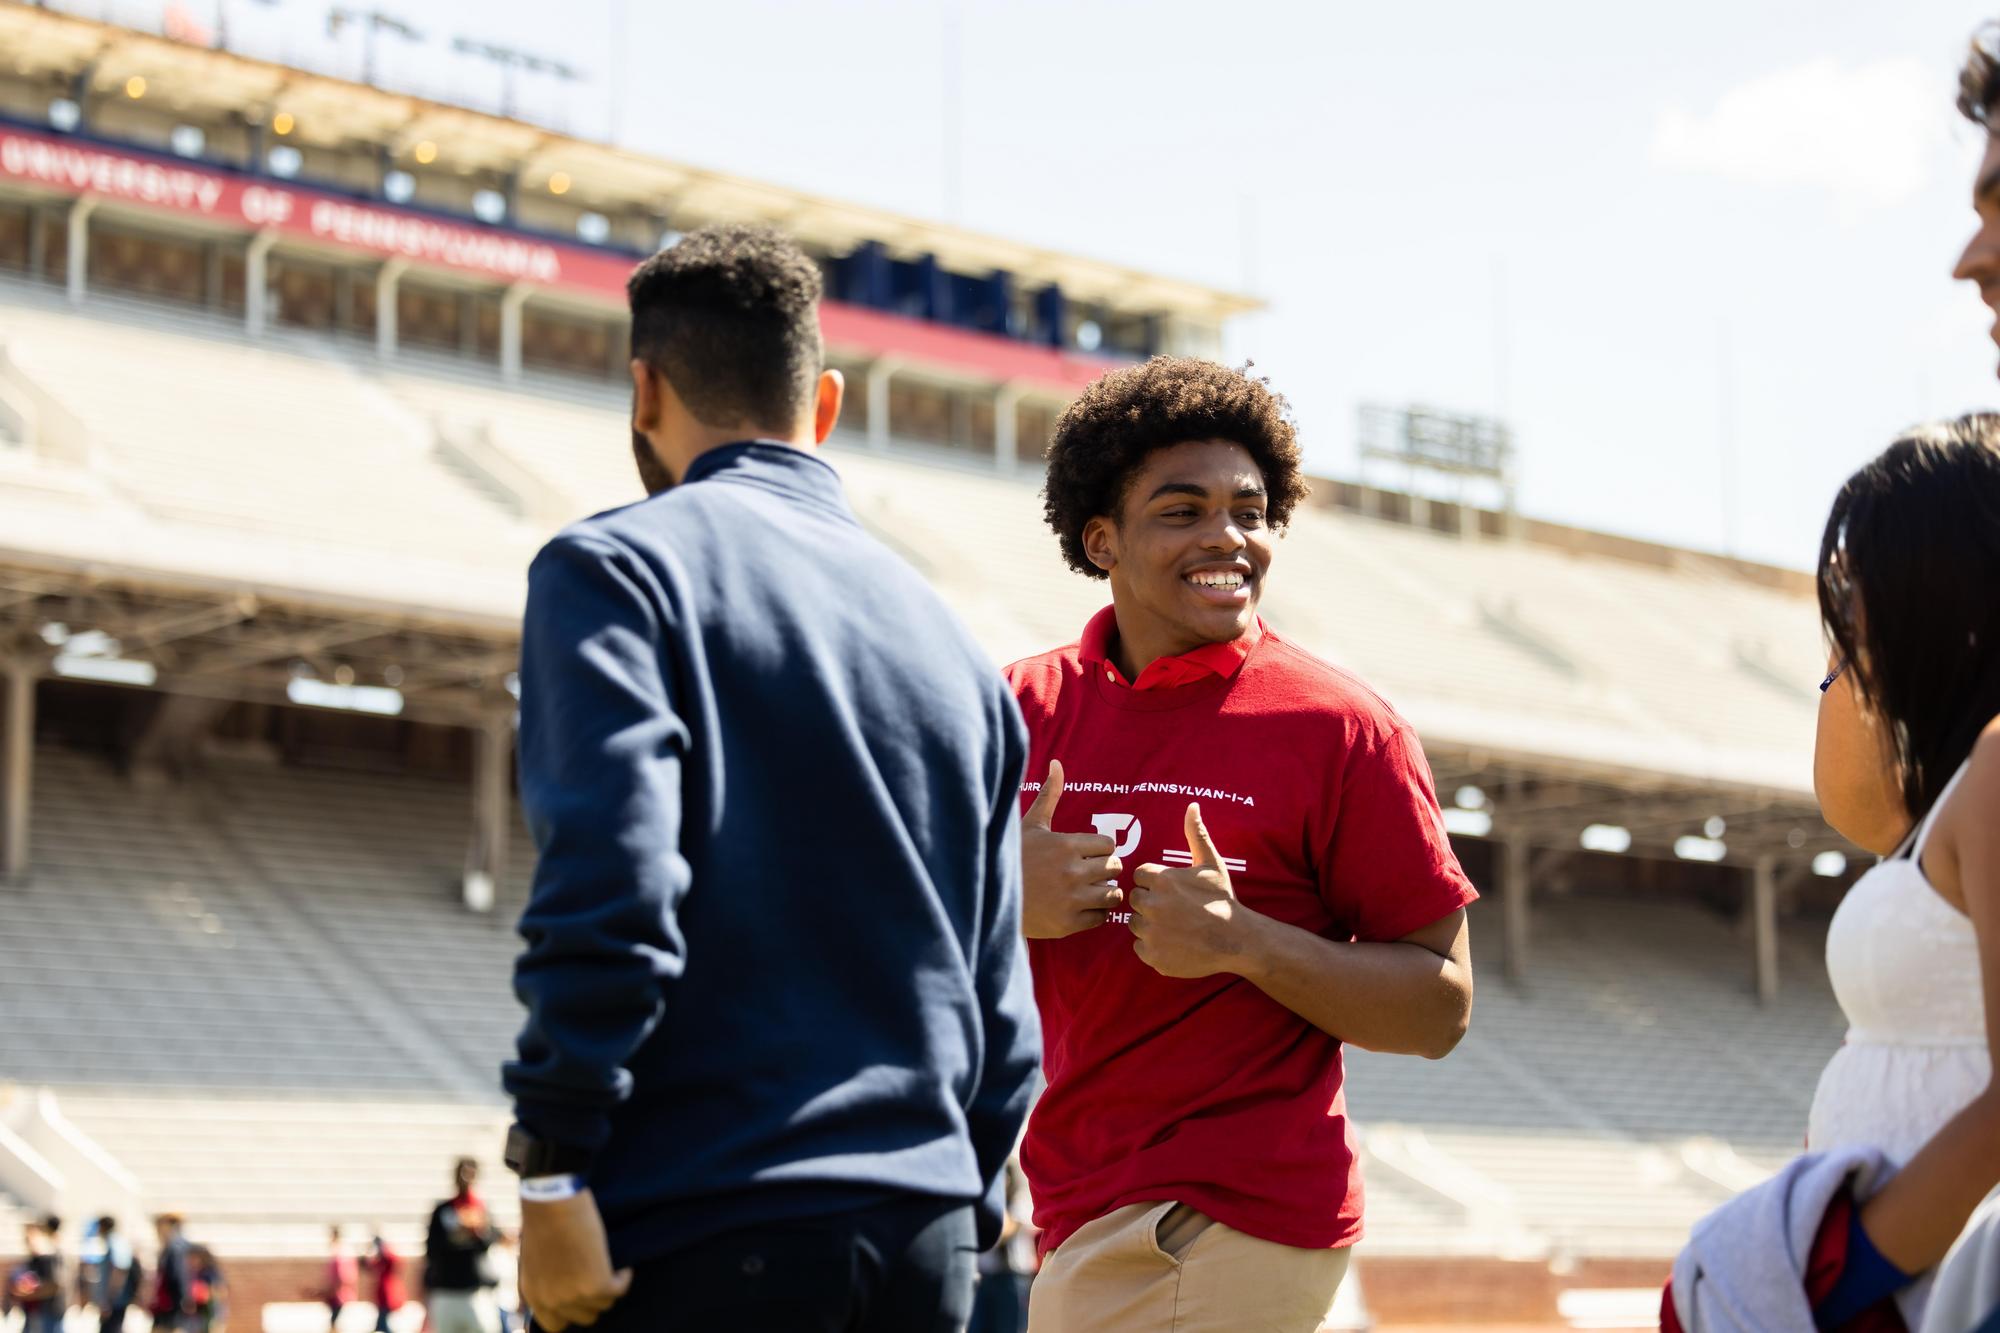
961, 420
385, 307
1514, 907
510, 331
879, 375
486, 859
343, 302
211, 275
1764, 925
79, 248
17, 754
38, 244
256, 282
1007, 429
618, 351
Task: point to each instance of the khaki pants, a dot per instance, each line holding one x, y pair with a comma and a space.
464, 1312
1165, 1266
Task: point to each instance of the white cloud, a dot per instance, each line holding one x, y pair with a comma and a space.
1869, 134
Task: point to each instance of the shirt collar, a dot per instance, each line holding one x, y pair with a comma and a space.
1210, 659
772, 462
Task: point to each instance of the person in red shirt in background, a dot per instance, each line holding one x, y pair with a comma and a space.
1236, 863
382, 1265
336, 1291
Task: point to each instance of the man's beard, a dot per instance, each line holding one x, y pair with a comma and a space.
651, 475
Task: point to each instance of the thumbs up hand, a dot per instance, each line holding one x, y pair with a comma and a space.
1186, 920
1068, 880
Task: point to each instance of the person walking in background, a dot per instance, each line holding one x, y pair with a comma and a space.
337, 1286
1907, 765
89, 1265
172, 1304
458, 1277
54, 1313
780, 1032
210, 1290
35, 1287
1235, 863
383, 1269
118, 1275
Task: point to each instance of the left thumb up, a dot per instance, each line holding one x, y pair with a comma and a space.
1201, 848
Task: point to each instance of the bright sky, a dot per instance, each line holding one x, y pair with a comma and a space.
1640, 233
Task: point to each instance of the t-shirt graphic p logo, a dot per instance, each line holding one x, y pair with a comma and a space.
1112, 826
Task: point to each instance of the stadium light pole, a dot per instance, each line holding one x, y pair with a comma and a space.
373, 21
1725, 430
510, 59
953, 118
222, 20
615, 71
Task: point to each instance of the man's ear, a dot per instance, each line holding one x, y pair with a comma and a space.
645, 397
830, 393
1100, 543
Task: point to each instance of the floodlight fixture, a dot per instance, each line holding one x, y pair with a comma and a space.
1612, 838
1691, 848
1468, 823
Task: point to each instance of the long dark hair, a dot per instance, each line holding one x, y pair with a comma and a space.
1909, 591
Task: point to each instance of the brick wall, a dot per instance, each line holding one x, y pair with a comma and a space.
1474, 1291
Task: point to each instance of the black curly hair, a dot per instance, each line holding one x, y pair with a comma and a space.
730, 316
1102, 439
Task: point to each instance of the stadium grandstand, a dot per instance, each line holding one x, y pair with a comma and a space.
295, 376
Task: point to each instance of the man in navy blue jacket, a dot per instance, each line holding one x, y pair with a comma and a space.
781, 1034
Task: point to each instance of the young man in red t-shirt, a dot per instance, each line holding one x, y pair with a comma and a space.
1235, 863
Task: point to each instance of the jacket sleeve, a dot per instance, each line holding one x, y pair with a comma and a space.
1013, 1030
601, 751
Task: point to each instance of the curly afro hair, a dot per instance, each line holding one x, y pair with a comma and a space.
1102, 439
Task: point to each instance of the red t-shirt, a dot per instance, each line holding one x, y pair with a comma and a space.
1209, 1092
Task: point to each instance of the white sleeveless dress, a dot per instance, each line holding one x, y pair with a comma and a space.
1905, 967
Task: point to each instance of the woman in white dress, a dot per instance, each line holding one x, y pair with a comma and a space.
1908, 766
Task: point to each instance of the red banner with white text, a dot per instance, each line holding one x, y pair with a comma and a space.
76, 167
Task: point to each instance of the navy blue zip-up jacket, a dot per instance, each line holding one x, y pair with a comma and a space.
774, 965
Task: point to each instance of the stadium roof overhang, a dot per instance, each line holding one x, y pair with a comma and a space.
96, 623
1546, 801
230, 639
336, 113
